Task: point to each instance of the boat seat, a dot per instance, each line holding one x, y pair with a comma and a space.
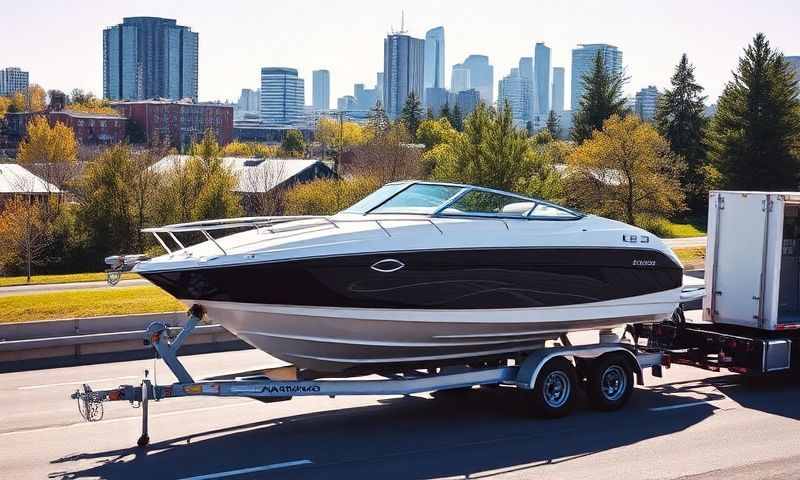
520, 208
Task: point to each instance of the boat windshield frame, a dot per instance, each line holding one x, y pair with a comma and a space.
464, 189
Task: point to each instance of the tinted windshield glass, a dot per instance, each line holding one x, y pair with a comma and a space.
419, 198
489, 203
376, 198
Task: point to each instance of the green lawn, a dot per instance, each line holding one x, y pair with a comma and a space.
691, 257
86, 303
65, 278
692, 227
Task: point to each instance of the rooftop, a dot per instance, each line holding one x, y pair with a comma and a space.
16, 179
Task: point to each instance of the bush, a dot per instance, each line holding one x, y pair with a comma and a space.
328, 196
658, 226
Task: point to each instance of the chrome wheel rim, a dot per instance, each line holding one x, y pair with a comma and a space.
613, 383
556, 389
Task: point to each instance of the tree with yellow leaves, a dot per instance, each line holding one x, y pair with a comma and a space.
347, 135
31, 99
49, 151
5, 102
626, 171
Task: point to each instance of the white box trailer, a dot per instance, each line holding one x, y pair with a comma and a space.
752, 265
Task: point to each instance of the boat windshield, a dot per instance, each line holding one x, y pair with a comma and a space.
419, 198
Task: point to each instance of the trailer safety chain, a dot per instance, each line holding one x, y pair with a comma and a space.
90, 404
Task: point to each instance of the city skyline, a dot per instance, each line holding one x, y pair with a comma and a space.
66, 57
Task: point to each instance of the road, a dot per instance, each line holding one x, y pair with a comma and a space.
53, 287
685, 242
692, 424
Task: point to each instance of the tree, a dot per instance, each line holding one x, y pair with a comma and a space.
411, 115
433, 132
345, 135
386, 157
24, 236
429, 114
328, 196
457, 118
602, 98
31, 99
5, 102
554, 124
445, 111
211, 182
377, 119
293, 143
626, 171
49, 151
754, 134
679, 118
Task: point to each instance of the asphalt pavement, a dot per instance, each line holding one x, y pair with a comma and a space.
685, 242
53, 287
690, 424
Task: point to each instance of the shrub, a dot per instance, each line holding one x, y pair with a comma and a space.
328, 196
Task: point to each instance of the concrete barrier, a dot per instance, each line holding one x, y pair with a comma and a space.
84, 340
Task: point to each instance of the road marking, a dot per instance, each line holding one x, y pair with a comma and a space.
122, 419
242, 471
96, 380
682, 405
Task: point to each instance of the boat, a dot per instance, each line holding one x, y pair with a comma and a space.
417, 274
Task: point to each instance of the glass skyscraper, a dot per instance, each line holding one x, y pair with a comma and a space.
282, 96
434, 58
12, 79
558, 89
403, 71
542, 73
481, 76
582, 61
321, 89
149, 57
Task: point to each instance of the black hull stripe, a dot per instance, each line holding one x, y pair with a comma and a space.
444, 279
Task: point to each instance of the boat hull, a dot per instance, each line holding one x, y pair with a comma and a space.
330, 339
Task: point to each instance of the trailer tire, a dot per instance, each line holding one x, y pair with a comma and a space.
553, 395
610, 382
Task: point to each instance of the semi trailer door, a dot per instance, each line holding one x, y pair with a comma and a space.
739, 257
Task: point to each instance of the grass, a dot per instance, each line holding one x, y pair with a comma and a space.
86, 303
691, 257
691, 227
65, 278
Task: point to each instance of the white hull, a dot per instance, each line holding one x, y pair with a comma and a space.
331, 339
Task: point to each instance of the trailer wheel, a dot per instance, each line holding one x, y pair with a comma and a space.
610, 382
553, 395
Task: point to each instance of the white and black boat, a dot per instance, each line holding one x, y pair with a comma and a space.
418, 274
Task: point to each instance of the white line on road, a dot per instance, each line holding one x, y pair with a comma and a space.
96, 380
242, 471
681, 405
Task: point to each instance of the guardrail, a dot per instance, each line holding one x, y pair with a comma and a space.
45, 343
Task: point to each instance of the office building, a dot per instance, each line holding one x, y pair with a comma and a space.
582, 62
529, 105
249, 100
347, 103
481, 76
12, 79
558, 90
149, 57
177, 122
403, 69
542, 77
379, 86
434, 58
88, 128
511, 92
282, 96
321, 89
646, 102
436, 98
467, 101
459, 78
366, 98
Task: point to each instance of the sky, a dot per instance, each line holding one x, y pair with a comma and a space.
60, 43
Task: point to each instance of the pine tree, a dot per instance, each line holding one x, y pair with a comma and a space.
445, 112
411, 114
429, 114
456, 119
755, 132
679, 118
554, 124
602, 97
377, 119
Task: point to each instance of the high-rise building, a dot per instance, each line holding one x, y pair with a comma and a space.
558, 90
347, 103
511, 90
12, 79
529, 105
467, 101
249, 100
282, 96
436, 98
542, 73
434, 58
149, 57
459, 78
582, 62
481, 76
794, 62
321, 89
366, 98
403, 69
646, 102
379, 86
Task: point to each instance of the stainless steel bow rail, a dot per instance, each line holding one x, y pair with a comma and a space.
523, 371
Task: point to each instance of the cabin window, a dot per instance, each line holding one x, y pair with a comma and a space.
479, 202
420, 198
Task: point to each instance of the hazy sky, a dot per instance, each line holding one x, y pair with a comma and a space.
60, 42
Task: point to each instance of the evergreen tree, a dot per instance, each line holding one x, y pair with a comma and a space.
679, 118
456, 119
411, 114
377, 119
294, 143
602, 97
554, 124
429, 114
755, 132
445, 112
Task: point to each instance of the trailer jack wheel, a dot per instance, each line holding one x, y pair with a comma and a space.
610, 382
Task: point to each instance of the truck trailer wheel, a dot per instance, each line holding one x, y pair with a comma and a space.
553, 395
610, 382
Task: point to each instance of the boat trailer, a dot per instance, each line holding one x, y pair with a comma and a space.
282, 383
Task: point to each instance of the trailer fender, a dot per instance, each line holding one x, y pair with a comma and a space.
533, 363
